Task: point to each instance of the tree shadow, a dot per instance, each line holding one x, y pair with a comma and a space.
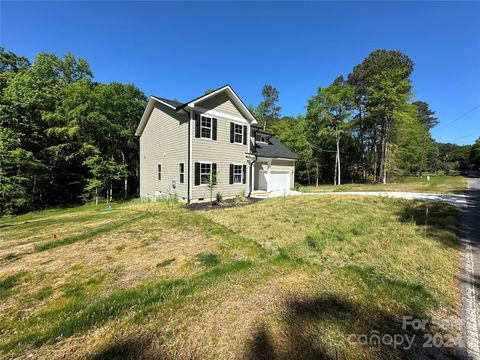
304, 336
130, 348
439, 221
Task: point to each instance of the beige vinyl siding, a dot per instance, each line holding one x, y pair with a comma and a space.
164, 141
223, 153
221, 103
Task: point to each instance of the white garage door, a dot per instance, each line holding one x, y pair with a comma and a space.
279, 180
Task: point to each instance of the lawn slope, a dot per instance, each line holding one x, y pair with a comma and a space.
282, 278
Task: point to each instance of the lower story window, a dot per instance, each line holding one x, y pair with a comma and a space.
181, 172
205, 173
159, 172
237, 174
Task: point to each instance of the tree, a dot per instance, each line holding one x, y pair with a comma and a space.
475, 156
331, 108
212, 182
103, 174
293, 133
366, 125
387, 97
53, 117
268, 111
427, 118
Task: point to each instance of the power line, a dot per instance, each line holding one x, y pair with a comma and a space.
460, 117
463, 137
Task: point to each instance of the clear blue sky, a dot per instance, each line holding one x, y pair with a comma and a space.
178, 50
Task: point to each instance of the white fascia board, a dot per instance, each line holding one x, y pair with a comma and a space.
219, 114
233, 96
145, 116
147, 112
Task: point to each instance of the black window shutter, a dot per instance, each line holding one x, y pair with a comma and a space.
197, 125
244, 135
231, 173
197, 173
244, 173
214, 169
214, 129
231, 132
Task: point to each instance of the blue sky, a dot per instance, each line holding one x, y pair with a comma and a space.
178, 50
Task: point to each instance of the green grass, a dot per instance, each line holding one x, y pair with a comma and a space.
292, 276
437, 184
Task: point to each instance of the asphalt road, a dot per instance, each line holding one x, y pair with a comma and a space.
470, 277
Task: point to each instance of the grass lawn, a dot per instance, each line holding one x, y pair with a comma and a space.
441, 184
283, 278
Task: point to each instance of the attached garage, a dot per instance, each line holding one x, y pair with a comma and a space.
279, 180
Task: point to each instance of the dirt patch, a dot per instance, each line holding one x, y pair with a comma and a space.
225, 204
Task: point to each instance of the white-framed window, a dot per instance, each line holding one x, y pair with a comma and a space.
237, 174
159, 171
205, 173
238, 133
263, 139
181, 172
206, 127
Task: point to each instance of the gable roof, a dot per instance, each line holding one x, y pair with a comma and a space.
274, 149
177, 106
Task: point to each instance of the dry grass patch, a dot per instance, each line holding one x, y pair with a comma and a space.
283, 278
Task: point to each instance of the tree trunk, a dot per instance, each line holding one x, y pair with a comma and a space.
383, 155
111, 191
422, 159
96, 196
125, 189
316, 175
381, 170
336, 168
374, 151
339, 177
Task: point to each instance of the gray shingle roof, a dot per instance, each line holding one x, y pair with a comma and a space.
274, 149
168, 101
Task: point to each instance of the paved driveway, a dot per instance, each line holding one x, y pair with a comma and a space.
458, 200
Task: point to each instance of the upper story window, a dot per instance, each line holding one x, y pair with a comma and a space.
181, 172
263, 139
238, 133
206, 127
159, 172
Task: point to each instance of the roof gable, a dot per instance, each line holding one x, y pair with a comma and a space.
177, 106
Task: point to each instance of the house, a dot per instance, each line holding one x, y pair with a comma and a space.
182, 144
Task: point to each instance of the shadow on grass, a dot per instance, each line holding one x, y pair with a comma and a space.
131, 348
305, 339
342, 327
438, 221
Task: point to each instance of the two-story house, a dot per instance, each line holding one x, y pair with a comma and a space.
183, 144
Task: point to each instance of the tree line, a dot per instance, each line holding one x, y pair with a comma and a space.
65, 138
365, 127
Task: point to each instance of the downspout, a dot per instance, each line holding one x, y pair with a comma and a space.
188, 154
252, 170
252, 175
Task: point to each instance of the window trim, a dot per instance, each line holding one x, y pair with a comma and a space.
181, 173
235, 133
159, 172
202, 127
205, 163
241, 174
